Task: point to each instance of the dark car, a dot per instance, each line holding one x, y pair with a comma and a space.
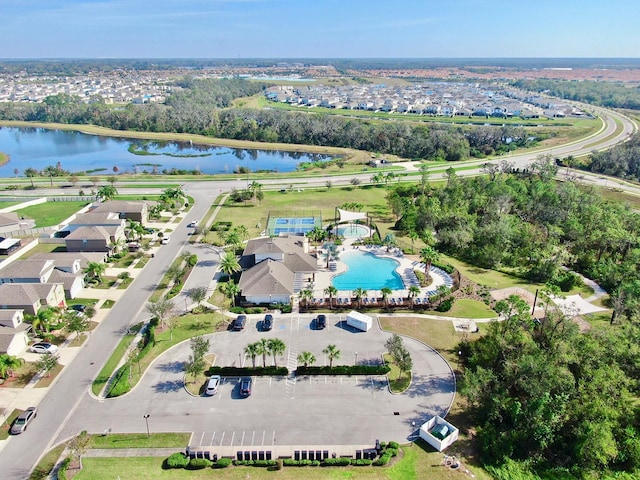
239, 322
78, 308
267, 323
245, 386
321, 322
20, 424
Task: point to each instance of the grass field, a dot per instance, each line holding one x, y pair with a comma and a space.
51, 213
416, 461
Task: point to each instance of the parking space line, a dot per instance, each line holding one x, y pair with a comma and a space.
273, 438
253, 437
222, 438
212, 438
264, 433
242, 439
202, 438
232, 437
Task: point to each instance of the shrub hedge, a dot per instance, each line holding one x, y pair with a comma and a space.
199, 463
256, 463
240, 371
177, 460
337, 462
223, 463
344, 370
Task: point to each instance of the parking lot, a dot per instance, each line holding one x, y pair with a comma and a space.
317, 410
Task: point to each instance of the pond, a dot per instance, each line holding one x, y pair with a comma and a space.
82, 153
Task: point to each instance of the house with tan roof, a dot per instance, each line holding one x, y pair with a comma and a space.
275, 269
13, 332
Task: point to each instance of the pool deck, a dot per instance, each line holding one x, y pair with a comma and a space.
406, 266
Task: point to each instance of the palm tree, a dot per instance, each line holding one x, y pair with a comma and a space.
386, 292
233, 239
242, 231
306, 359
428, 255
229, 263
331, 252
413, 235
332, 292
305, 296
262, 349
276, 347
253, 350
359, 293
95, 270
107, 192
231, 290
332, 352
135, 230
414, 291
8, 363
30, 173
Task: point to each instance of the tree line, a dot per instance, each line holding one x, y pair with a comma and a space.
604, 94
621, 161
527, 224
204, 107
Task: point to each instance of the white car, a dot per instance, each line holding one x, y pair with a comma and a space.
194, 223
43, 347
164, 240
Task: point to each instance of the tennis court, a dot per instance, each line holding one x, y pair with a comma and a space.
283, 224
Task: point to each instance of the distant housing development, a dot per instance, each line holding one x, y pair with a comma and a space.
447, 99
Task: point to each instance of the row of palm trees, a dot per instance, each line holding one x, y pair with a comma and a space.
359, 294
275, 347
271, 346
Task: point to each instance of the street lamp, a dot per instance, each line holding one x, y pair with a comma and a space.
146, 419
459, 357
356, 358
186, 309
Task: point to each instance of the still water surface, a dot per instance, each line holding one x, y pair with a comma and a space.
78, 152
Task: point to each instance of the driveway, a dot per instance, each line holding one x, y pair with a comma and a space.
281, 410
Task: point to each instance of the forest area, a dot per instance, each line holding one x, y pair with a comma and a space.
547, 399
603, 94
203, 107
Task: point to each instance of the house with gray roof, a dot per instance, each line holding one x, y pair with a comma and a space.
276, 268
30, 297
137, 211
13, 332
92, 238
69, 274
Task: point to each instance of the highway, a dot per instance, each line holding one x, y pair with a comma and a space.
71, 389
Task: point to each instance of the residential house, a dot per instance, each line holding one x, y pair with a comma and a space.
137, 211
94, 239
11, 221
69, 274
30, 297
13, 332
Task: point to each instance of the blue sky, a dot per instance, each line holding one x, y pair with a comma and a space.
318, 28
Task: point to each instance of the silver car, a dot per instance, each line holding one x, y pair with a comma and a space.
20, 424
212, 385
44, 347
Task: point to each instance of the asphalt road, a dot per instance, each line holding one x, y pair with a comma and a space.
60, 408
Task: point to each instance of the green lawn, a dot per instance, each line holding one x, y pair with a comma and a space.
51, 213
466, 308
416, 461
140, 440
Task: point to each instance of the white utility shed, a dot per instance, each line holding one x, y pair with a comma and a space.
359, 320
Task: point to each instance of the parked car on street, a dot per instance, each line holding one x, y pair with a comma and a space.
245, 387
21, 423
193, 223
165, 240
43, 347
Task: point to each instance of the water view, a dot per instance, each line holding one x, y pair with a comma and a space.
78, 152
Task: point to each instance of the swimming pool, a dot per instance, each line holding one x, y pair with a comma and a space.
365, 270
353, 231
